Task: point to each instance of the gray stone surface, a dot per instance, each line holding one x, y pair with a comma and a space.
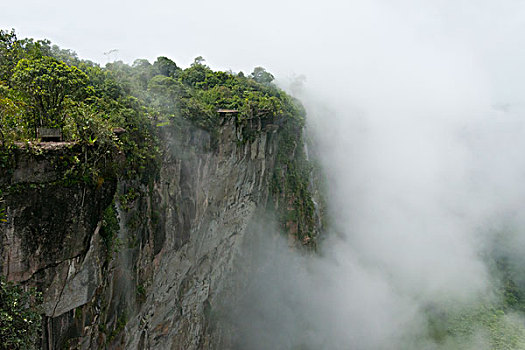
196, 261
175, 252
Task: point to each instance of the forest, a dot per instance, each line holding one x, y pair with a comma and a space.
42, 85
120, 109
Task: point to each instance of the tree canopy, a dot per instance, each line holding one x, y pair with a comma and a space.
44, 85
46, 82
260, 75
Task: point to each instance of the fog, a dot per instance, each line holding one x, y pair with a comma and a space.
415, 111
418, 123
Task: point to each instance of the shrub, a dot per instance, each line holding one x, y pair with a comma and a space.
20, 320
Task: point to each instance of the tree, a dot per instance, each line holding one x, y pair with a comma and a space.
166, 67
194, 75
46, 83
261, 76
165, 94
9, 51
143, 72
12, 121
198, 61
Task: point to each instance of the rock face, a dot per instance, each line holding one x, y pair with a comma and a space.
157, 283
49, 233
216, 195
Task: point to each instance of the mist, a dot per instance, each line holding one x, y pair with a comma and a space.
420, 206
418, 124
416, 114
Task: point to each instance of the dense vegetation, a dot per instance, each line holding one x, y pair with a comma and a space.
43, 86
19, 316
495, 321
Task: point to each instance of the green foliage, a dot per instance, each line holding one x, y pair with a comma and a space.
166, 67
260, 75
484, 324
43, 85
13, 123
196, 75
119, 327
3, 213
141, 292
110, 228
497, 323
87, 126
290, 183
512, 294
167, 91
20, 319
46, 83
9, 53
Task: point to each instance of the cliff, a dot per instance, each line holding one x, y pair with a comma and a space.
143, 263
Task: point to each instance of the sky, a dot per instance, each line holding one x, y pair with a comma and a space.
324, 40
416, 109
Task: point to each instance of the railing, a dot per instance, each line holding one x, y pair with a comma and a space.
49, 134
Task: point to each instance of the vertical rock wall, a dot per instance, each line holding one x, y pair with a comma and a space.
207, 194
156, 283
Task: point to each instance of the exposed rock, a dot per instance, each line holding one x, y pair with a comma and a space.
158, 284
